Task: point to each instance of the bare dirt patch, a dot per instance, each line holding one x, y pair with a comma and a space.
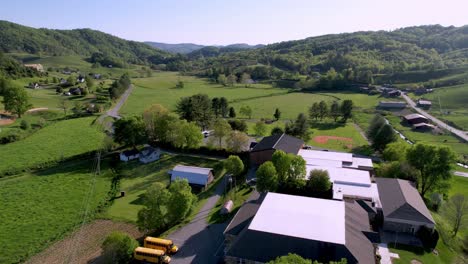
83, 246
6, 119
325, 139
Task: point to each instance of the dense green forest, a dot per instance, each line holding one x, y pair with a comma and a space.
103, 48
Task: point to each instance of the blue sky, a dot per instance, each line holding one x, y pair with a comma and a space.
226, 22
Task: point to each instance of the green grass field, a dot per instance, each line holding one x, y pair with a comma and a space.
38, 209
137, 178
262, 98
55, 142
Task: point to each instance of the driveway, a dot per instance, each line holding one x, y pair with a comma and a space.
459, 133
199, 242
114, 111
385, 254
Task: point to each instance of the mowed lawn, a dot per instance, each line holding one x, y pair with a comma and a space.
137, 178
38, 209
262, 98
58, 141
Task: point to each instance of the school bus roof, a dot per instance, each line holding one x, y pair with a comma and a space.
149, 250
159, 240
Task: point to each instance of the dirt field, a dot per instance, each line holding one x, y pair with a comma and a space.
324, 140
84, 246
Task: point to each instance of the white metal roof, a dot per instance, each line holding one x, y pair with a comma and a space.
360, 163
326, 155
303, 217
322, 162
343, 175
192, 169
371, 192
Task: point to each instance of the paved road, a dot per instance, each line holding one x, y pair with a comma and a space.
460, 133
199, 242
114, 111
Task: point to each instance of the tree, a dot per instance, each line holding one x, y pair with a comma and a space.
282, 162
297, 168
277, 114
456, 212
245, 78
16, 100
180, 84
267, 178
232, 112
395, 151
64, 105
89, 82
239, 125
234, 165
215, 106
129, 131
180, 201
222, 79
290, 259
398, 169
183, 134
237, 141
223, 106
156, 119
375, 124
221, 129
346, 109
231, 79
384, 136
24, 125
197, 108
118, 248
299, 128
314, 111
245, 110
260, 129
434, 165
71, 80
277, 131
322, 110
153, 215
335, 110
319, 181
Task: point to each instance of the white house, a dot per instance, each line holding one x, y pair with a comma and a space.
195, 175
149, 154
128, 155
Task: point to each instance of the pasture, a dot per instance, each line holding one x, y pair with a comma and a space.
40, 208
53, 143
262, 98
138, 177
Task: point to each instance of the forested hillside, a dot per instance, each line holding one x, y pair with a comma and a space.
107, 49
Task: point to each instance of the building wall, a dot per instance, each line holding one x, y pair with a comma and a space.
260, 157
417, 120
402, 226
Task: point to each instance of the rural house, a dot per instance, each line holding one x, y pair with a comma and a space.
424, 103
403, 209
264, 150
37, 67
129, 155
149, 154
415, 119
392, 104
197, 176
283, 224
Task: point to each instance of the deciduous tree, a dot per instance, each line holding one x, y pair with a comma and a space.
335, 110
221, 129
456, 212
267, 178
260, 128
129, 131
16, 100
245, 110
319, 181
282, 162
118, 248
234, 165
322, 110
232, 112
180, 200
347, 109
237, 141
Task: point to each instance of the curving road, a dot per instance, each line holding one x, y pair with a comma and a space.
459, 133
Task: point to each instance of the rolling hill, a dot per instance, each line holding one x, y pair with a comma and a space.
186, 48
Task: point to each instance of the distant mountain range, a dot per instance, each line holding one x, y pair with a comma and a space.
186, 48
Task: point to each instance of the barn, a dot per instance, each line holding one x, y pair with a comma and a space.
197, 176
415, 119
263, 151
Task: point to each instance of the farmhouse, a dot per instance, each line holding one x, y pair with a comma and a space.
403, 208
268, 145
424, 103
197, 176
37, 67
149, 154
415, 119
392, 104
284, 224
129, 155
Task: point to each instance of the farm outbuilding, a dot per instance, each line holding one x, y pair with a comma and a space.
392, 104
263, 151
227, 207
415, 119
129, 155
424, 103
195, 175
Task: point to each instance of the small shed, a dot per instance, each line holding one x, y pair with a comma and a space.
198, 176
129, 155
227, 207
424, 103
415, 119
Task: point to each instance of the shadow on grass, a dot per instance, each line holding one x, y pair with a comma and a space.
326, 125
139, 200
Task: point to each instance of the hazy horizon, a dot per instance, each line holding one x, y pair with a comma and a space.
214, 23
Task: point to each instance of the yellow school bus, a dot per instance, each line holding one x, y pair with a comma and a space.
162, 244
151, 255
